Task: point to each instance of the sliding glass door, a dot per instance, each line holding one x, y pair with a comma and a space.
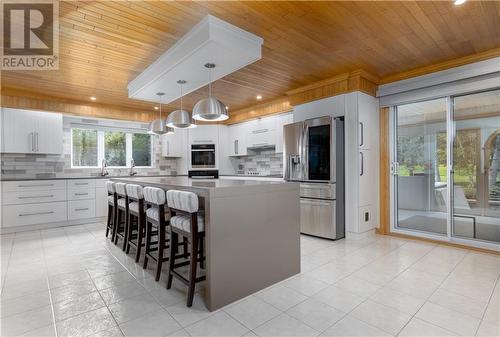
476, 166
420, 167
446, 167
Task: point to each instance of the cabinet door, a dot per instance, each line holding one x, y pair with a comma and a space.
204, 134
172, 145
48, 133
18, 131
281, 121
101, 202
367, 178
237, 139
368, 122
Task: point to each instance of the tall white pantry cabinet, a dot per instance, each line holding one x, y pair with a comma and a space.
361, 112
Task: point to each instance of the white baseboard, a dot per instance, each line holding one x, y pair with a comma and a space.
9, 230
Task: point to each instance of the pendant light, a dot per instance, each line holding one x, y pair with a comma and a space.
158, 126
210, 109
180, 119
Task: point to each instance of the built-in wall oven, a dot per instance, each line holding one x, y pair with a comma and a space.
314, 156
202, 156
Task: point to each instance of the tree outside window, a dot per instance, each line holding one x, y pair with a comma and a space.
84, 143
141, 149
115, 148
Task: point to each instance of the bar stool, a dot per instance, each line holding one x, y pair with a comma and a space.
121, 209
188, 223
110, 186
157, 216
135, 230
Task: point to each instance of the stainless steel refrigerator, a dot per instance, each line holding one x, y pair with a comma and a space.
313, 153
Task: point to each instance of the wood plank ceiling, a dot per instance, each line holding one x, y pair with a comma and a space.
104, 45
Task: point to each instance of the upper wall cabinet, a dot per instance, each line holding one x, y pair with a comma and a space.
174, 145
26, 131
237, 140
204, 134
281, 121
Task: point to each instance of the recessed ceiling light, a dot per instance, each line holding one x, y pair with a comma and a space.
156, 108
227, 108
459, 2
259, 97
93, 98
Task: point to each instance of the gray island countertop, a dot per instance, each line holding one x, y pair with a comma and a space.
252, 232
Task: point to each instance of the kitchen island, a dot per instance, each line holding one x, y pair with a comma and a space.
252, 232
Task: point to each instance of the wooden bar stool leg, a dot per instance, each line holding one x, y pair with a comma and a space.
131, 219
127, 228
148, 244
202, 252
140, 235
118, 223
171, 263
161, 247
109, 222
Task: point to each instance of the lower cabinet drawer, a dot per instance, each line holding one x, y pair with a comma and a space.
31, 197
81, 194
32, 214
81, 209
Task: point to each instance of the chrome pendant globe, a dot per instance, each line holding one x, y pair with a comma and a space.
180, 119
159, 126
210, 109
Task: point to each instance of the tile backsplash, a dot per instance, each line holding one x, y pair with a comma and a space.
36, 166
263, 163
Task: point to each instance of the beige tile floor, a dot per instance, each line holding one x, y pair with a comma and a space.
71, 281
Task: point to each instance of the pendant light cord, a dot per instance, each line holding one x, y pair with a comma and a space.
210, 82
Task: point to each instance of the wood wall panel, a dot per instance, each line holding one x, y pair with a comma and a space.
358, 80
34, 101
277, 106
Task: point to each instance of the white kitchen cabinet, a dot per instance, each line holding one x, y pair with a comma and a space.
101, 198
81, 209
32, 214
368, 122
261, 132
237, 135
173, 145
26, 131
204, 134
281, 121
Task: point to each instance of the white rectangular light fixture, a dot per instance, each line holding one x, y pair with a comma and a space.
212, 40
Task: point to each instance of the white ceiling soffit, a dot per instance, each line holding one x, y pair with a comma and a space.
212, 40
467, 78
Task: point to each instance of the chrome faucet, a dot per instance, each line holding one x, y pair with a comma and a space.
104, 172
132, 165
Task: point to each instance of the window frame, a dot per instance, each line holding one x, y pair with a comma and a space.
101, 147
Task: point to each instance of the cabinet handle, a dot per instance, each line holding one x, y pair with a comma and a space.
42, 185
361, 134
36, 141
37, 196
38, 213
260, 131
168, 148
81, 209
79, 184
236, 146
81, 194
260, 144
362, 163
32, 142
